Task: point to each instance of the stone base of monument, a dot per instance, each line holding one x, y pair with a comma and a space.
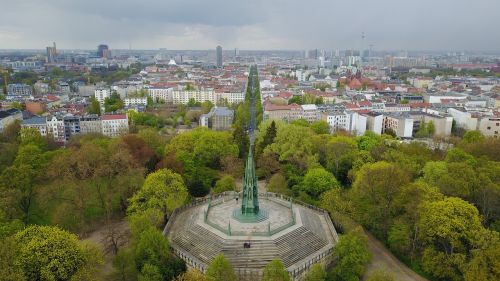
261, 216
298, 234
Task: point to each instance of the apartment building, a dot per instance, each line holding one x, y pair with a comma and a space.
114, 125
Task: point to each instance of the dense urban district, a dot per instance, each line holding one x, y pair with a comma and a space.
99, 150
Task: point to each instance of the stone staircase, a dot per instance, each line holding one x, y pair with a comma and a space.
200, 242
298, 245
257, 256
314, 223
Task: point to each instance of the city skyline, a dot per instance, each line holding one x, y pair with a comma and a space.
259, 25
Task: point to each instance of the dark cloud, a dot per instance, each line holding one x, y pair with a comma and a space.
257, 24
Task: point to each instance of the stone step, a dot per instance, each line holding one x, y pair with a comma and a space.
298, 244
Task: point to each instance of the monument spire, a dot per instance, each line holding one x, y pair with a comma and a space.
250, 202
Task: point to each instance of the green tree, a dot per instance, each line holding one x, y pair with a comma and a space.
113, 103
301, 122
220, 269
153, 257
124, 266
431, 128
49, 253
94, 107
295, 99
154, 140
422, 131
192, 275
189, 87
9, 270
320, 127
226, 183
241, 140
374, 191
458, 155
278, 184
453, 179
403, 233
340, 152
316, 273
381, 275
150, 272
293, 144
163, 190
351, 253
368, 141
269, 136
484, 265
473, 137
205, 147
20, 181
33, 136
275, 271
447, 228
267, 165
206, 106
318, 180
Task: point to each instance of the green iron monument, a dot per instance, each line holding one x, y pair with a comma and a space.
250, 210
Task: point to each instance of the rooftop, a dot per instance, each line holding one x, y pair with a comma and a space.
114, 117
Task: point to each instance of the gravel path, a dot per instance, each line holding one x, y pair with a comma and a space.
383, 259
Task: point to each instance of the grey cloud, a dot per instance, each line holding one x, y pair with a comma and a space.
257, 24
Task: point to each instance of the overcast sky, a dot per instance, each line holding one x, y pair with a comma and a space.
251, 24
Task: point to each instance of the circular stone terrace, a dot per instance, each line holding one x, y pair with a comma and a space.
298, 234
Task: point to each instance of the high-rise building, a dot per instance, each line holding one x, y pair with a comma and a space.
219, 56
103, 51
51, 54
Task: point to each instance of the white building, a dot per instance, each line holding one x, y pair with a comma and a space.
136, 101
90, 124
374, 122
230, 97
55, 128
437, 97
37, 123
490, 126
183, 96
301, 75
101, 94
86, 90
160, 94
349, 121
19, 90
310, 112
402, 125
114, 125
463, 118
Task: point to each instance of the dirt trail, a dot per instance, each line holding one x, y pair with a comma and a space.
383, 259
97, 238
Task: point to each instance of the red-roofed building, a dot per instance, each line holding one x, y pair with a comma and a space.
355, 84
365, 104
414, 105
351, 106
